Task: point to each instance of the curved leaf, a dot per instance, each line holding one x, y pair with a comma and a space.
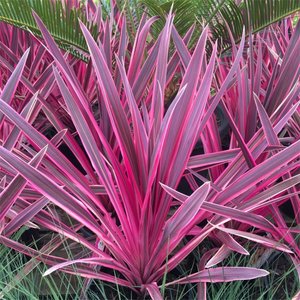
222, 275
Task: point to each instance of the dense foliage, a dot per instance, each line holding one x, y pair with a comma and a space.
96, 152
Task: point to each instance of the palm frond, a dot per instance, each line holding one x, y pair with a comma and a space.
264, 13
184, 12
218, 14
222, 15
61, 21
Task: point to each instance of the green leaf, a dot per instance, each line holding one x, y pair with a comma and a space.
61, 21
221, 15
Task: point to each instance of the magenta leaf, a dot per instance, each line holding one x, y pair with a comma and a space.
153, 291
225, 274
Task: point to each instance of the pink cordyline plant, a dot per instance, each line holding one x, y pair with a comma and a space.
133, 153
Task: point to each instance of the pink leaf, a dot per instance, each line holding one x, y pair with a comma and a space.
225, 274
9, 195
256, 238
153, 291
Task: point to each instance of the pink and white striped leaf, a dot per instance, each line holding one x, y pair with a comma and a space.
225, 274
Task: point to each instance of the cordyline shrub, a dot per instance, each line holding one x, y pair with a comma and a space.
133, 152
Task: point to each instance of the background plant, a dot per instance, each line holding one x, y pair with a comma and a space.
61, 17
222, 16
16, 283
